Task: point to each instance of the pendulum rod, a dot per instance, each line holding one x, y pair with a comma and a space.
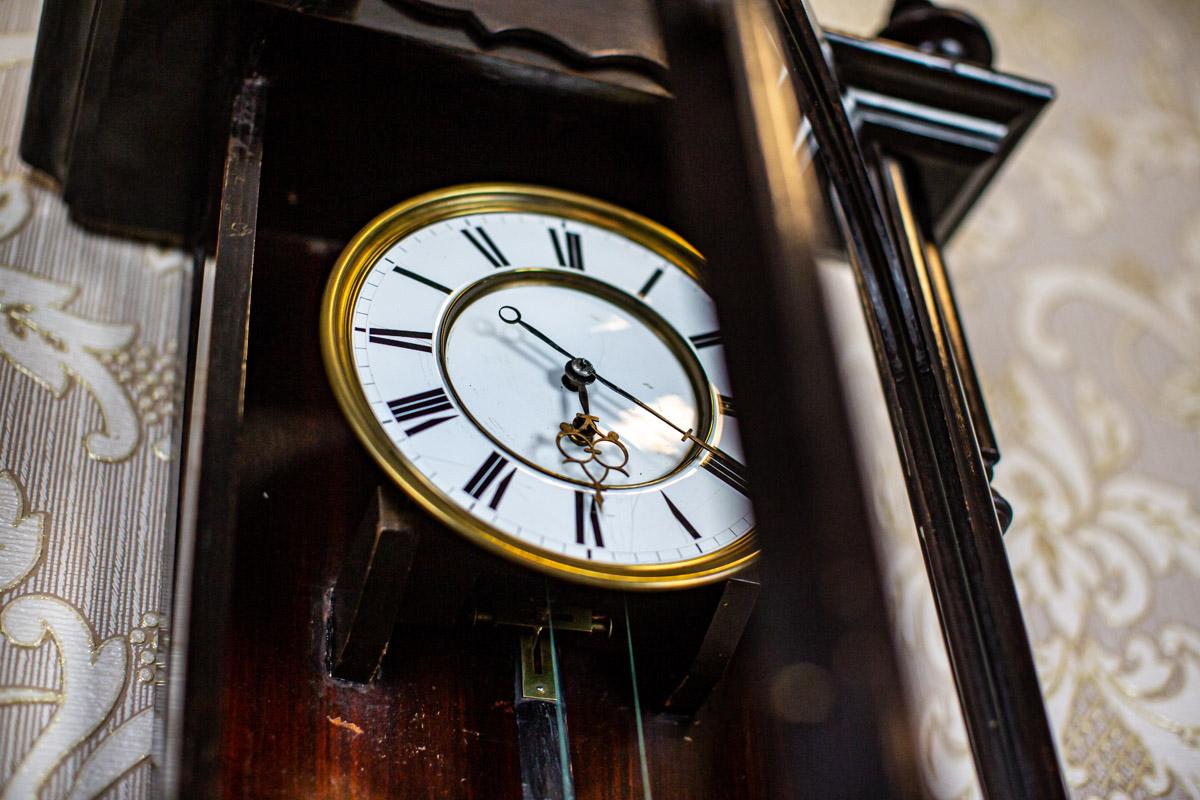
560, 710
637, 705
541, 715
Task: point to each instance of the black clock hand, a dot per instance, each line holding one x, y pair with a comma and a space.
576, 375
584, 430
579, 372
513, 317
725, 466
583, 399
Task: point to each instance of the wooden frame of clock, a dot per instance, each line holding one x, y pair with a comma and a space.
301, 573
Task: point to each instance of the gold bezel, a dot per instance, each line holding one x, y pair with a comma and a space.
337, 307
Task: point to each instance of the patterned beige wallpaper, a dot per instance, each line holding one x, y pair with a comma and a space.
1079, 276
88, 397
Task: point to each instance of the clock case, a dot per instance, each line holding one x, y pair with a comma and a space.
296, 122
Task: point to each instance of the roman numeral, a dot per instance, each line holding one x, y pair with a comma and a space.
727, 470
581, 520
727, 406
395, 338
706, 340
574, 250
649, 284
687, 525
422, 404
486, 475
421, 279
484, 244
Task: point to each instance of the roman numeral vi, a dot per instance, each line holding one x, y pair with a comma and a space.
581, 520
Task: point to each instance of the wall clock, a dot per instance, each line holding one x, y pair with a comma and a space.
544, 373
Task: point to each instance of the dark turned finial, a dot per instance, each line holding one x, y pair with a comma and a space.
942, 31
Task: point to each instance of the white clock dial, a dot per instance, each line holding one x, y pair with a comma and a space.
461, 332
511, 382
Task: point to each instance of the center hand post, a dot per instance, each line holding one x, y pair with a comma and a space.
583, 431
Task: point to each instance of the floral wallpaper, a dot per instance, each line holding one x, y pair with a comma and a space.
1079, 279
89, 385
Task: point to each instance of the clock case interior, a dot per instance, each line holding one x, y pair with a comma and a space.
350, 121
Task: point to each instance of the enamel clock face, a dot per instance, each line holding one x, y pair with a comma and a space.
544, 373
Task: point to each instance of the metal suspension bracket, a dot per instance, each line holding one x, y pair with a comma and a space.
538, 704
536, 674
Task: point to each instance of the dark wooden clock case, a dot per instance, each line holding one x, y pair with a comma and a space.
283, 128
346, 121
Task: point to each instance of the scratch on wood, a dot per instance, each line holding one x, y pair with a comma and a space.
341, 723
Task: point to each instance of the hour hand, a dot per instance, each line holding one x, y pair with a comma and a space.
577, 374
584, 432
597, 453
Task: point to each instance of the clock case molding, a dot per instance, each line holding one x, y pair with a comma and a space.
268, 112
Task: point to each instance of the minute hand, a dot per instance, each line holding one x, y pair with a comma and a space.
725, 466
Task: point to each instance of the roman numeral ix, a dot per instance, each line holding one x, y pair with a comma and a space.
409, 340
422, 404
484, 244
574, 250
486, 475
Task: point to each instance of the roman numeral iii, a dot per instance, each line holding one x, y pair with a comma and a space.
422, 404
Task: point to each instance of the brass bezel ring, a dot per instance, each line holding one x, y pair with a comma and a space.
337, 307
